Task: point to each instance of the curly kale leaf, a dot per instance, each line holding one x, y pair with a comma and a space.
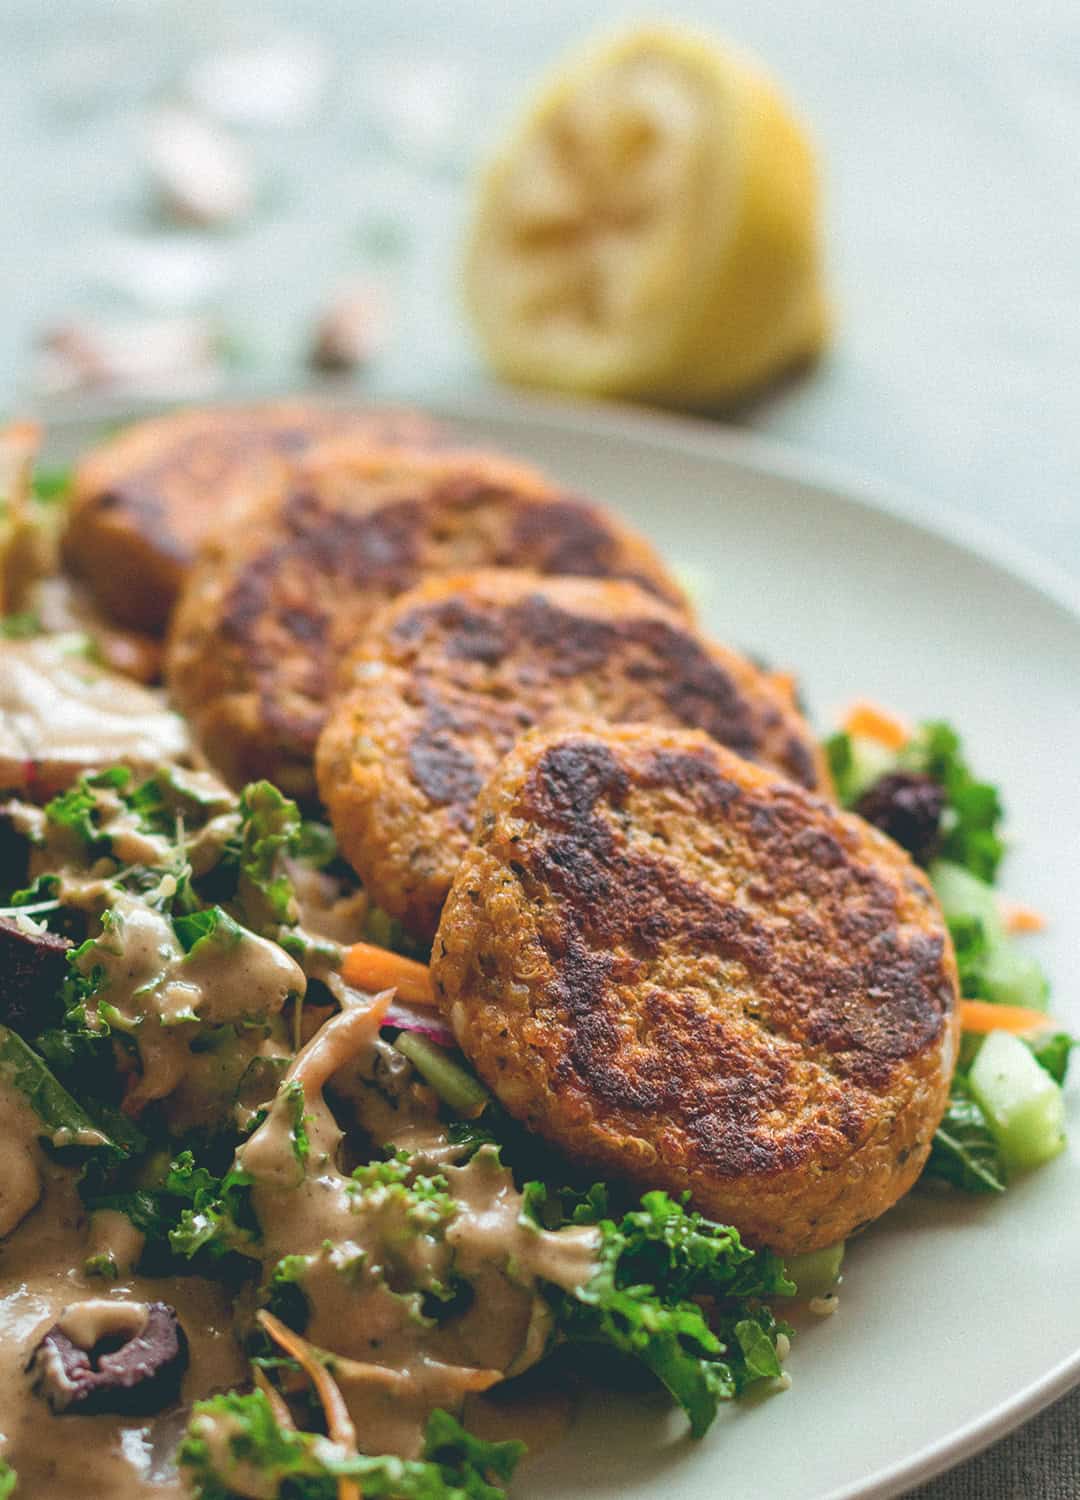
972, 947
1052, 1053
455, 1466
188, 1211
673, 1290
218, 1217
270, 829
78, 810
210, 929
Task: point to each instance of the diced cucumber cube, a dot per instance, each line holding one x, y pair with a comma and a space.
964, 895
870, 761
1012, 977
816, 1272
1023, 1105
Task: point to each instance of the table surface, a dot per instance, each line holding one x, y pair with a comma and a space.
950, 136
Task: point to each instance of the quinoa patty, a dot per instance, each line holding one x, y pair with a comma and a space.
693, 974
452, 673
270, 611
144, 500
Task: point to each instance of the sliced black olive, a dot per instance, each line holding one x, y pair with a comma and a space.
907, 806
32, 966
139, 1376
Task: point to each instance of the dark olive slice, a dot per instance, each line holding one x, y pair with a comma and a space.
133, 1370
907, 806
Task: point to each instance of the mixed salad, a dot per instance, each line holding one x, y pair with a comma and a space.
211, 1083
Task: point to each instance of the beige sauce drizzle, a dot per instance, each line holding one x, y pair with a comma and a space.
394, 1365
60, 714
104, 1457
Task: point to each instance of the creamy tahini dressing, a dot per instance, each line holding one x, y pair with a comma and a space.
392, 1363
41, 1276
60, 713
211, 1029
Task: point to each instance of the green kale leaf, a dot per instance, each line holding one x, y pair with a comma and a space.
972, 950
455, 1465
77, 810
1052, 1053
964, 1152
973, 811
270, 830
673, 1290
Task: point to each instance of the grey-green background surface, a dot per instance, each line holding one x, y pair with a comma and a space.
950, 136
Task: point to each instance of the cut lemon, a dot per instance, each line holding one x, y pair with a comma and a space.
650, 229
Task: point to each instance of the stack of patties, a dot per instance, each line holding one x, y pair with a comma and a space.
654, 934
276, 602
657, 939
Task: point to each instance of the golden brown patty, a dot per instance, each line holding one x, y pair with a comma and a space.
691, 973
452, 674
144, 501
270, 611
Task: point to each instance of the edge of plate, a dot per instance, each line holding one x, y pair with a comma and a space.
764, 457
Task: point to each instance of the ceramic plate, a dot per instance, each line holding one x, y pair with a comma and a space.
958, 1318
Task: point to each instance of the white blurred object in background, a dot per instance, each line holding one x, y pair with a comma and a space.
200, 174
166, 357
281, 82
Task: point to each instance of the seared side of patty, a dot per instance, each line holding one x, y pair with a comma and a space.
455, 671
693, 974
144, 501
269, 614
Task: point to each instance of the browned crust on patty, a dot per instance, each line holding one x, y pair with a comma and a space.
262, 627
144, 501
691, 973
455, 671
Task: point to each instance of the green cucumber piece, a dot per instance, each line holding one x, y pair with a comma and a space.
1012, 977
963, 895
817, 1272
455, 1086
1023, 1105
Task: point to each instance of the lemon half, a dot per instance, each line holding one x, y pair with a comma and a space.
650, 229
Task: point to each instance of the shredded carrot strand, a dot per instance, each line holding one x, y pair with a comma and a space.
1020, 918
338, 1422
281, 1413
369, 968
875, 723
463, 1377
983, 1016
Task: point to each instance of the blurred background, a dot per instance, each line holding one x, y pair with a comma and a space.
192, 185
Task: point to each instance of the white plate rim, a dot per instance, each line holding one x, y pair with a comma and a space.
763, 457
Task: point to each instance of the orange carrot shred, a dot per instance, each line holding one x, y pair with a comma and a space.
875, 723
281, 1413
338, 1422
369, 968
983, 1016
1020, 918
